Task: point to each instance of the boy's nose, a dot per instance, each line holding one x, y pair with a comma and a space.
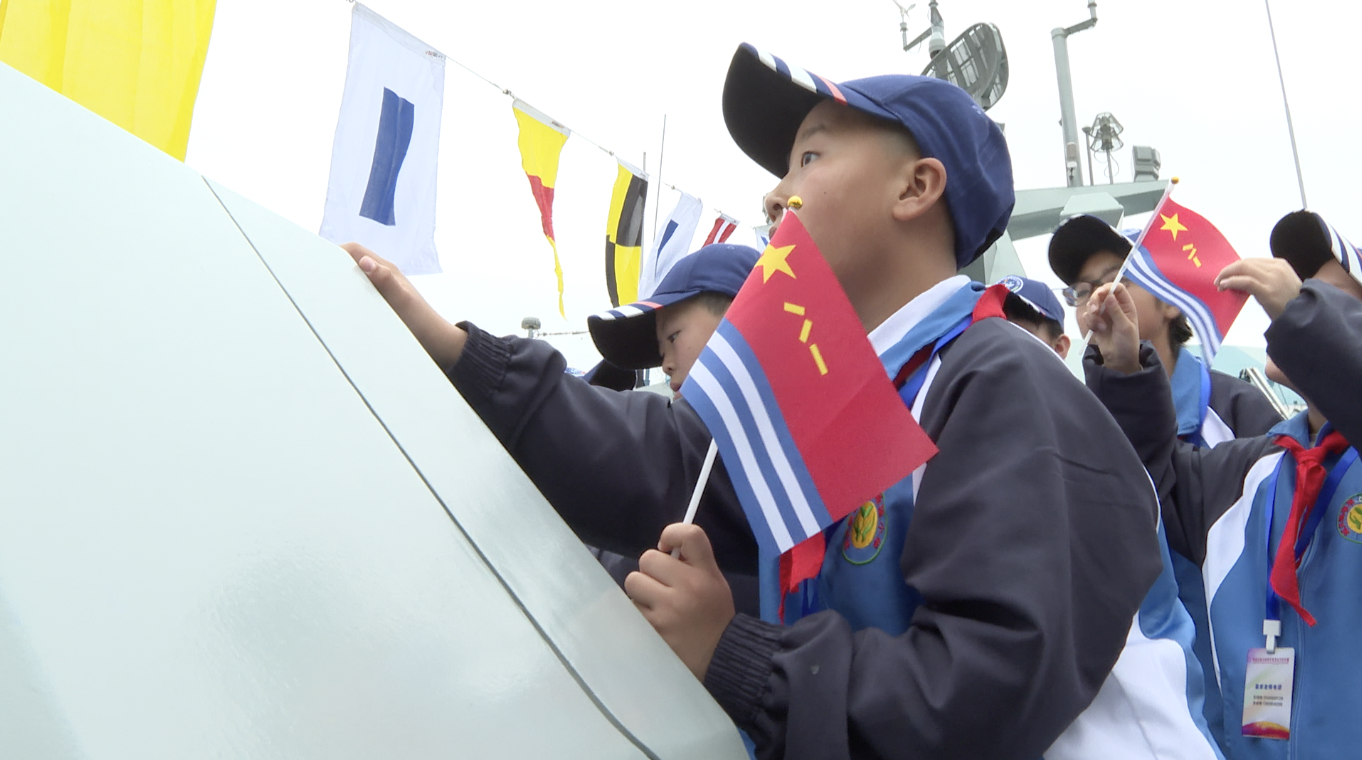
775, 202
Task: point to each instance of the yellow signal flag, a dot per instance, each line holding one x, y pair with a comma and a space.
541, 144
624, 235
137, 63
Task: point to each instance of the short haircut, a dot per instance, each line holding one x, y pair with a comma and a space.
1179, 331
1017, 310
908, 141
715, 302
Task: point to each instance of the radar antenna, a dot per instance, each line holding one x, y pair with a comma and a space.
976, 61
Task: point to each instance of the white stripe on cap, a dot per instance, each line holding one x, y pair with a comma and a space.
1345, 252
623, 312
767, 59
802, 78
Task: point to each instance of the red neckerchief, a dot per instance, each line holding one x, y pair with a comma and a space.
1310, 475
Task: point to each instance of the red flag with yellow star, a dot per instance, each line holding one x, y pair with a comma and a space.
1177, 260
805, 417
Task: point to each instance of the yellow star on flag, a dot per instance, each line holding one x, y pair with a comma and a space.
1172, 225
773, 260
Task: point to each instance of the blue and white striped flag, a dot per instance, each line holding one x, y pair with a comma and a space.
383, 161
672, 243
1176, 259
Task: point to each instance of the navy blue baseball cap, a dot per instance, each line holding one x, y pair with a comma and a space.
1306, 242
1035, 294
766, 99
1078, 238
627, 336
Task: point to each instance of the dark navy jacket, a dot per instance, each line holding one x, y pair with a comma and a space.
1214, 504
1032, 545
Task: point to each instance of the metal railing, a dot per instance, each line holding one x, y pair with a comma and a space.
1255, 377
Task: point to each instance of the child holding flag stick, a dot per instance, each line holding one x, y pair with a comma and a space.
1272, 521
972, 610
903, 180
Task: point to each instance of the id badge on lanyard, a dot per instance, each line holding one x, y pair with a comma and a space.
1270, 673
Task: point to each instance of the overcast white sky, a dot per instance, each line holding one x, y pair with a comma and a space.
1194, 78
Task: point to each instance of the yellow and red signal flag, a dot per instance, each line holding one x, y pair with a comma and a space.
624, 234
541, 144
808, 423
137, 63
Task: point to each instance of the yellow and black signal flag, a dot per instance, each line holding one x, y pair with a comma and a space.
541, 143
624, 235
137, 63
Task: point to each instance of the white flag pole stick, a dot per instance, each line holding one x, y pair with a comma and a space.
699, 487
1167, 191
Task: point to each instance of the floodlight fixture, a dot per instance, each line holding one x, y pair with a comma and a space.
1104, 136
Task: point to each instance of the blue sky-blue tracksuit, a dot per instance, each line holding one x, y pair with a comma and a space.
1215, 504
1211, 408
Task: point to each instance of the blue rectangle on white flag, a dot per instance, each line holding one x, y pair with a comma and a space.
672, 243
383, 161
390, 150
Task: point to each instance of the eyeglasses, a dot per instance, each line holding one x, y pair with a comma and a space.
1079, 293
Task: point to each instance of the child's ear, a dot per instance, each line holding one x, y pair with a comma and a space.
1062, 346
922, 183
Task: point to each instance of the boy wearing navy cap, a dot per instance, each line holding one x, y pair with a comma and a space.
1001, 588
964, 631
1212, 407
1273, 522
1032, 306
670, 327
1086, 252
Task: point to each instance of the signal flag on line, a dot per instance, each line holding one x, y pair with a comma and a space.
384, 159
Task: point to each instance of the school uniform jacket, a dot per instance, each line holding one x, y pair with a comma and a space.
1215, 507
1237, 410
1234, 408
1032, 545
1211, 408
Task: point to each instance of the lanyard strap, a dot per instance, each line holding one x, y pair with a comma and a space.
1204, 408
1205, 397
1326, 494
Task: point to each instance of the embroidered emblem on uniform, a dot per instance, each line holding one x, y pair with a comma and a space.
1012, 282
865, 533
1350, 519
